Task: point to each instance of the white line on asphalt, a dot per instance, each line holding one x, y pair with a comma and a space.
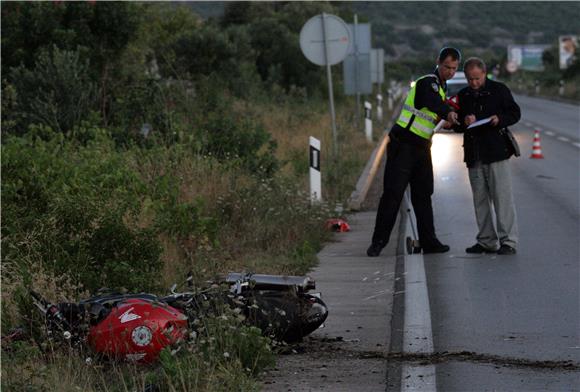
550, 133
563, 139
576, 144
418, 334
528, 124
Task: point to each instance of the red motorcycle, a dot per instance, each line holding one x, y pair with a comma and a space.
136, 327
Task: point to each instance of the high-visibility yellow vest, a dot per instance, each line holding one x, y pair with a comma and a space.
423, 120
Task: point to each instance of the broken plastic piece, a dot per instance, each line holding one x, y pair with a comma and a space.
337, 225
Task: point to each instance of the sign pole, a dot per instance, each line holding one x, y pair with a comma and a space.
330, 89
356, 88
325, 40
379, 72
379, 108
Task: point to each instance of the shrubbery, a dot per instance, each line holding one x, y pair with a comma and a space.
75, 206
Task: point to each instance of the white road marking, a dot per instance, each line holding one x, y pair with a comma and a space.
528, 124
550, 133
418, 334
576, 144
563, 139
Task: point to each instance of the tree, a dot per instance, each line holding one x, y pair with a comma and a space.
57, 92
99, 31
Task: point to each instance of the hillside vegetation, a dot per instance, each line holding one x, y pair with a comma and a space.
412, 32
408, 29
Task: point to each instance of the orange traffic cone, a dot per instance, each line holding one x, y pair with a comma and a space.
536, 148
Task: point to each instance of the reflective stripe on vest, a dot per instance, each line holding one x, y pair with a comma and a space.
424, 120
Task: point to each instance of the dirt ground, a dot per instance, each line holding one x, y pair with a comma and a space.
321, 364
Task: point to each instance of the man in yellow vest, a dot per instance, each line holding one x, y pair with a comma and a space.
409, 156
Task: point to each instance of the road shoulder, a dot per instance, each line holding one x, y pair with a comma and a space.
359, 293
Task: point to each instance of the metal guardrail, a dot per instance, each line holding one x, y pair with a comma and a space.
367, 177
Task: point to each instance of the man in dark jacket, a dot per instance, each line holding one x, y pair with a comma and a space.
487, 151
409, 156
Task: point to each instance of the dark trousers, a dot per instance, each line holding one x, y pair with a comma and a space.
406, 164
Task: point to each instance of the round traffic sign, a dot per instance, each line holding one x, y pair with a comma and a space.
337, 37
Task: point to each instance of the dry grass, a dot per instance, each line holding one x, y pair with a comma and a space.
292, 129
241, 241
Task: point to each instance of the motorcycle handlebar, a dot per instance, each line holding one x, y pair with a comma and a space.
51, 313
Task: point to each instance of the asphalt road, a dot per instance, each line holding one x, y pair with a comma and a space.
519, 311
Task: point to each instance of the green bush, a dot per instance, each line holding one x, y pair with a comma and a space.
228, 135
57, 92
76, 205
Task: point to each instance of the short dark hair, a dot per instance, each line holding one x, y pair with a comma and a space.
474, 62
448, 51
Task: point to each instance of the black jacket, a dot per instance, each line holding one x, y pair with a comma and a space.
486, 143
426, 95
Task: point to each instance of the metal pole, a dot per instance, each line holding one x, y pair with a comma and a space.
379, 71
380, 87
356, 84
330, 90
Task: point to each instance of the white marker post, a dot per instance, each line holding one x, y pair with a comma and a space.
390, 99
379, 108
315, 177
368, 121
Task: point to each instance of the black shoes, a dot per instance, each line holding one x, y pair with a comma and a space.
435, 247
479, 249
375, 249
506, 250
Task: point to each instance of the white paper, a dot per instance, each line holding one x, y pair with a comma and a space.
480, 122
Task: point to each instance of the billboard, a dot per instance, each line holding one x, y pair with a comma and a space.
526, 57
568, 45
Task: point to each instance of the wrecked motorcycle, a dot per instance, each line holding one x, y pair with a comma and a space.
137, 327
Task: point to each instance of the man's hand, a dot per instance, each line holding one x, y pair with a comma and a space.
452, 118
494, 120
469, 119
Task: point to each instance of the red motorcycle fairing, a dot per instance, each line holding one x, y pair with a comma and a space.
137, 330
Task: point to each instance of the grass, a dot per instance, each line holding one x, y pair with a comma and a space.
242, 222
